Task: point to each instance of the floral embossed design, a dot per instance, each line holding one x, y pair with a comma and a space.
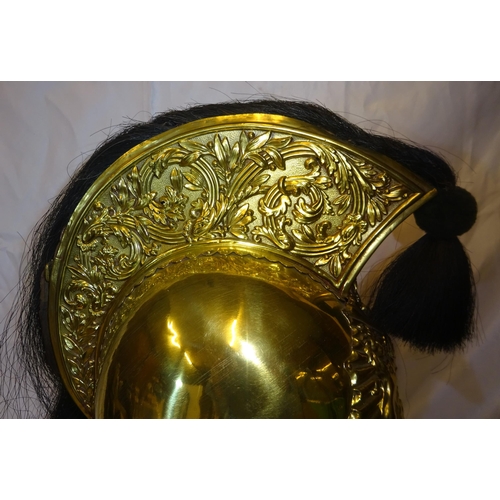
218, 187
352, 188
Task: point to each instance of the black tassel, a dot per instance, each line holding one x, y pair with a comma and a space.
426, 296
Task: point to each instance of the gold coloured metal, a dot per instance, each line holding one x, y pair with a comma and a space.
159, 256
222, 333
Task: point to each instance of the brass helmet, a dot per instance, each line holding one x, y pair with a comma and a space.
210, 272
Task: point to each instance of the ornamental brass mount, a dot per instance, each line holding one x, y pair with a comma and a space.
268, 183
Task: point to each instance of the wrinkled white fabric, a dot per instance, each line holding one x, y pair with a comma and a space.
48, 129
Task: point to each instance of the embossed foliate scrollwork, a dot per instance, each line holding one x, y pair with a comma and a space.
237, 174
371, 367
85, 300
359, 189
362, 188
309, 198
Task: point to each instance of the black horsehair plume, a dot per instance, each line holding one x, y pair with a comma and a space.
425, 297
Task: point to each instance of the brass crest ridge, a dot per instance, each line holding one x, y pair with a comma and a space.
260, 180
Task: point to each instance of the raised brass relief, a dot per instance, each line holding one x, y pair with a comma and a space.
257, 183
371, 367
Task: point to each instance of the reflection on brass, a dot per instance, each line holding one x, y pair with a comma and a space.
223, 346
287, 194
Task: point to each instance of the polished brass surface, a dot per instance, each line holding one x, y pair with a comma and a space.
269, 183
222, 346
257, 337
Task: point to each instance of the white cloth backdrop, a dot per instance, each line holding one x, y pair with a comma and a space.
48, 129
